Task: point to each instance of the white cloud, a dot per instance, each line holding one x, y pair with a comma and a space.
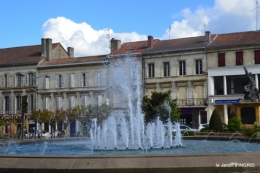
224, 17
85, 40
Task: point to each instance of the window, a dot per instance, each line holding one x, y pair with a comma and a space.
31, 103
71, 81
59, 81
32, 79
98, 79
99, 100
7, 104
18, 103
166, 69
239, 58
221, 59
257, 57
219, 85
5, 80
83, 80
198, 66
235, 84
58, 103
182, 67
20, 80
84, 100
72, 101
151, 70
46, 103
47, 83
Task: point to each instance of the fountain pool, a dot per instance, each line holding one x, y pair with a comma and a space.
81, 147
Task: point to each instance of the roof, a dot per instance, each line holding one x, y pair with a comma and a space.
132, 47
236, 39
71, 61
178, 44
24, 55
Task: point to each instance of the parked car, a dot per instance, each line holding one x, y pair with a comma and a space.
184, 128
202, 126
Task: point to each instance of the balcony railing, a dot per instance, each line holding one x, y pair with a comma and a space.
191, 102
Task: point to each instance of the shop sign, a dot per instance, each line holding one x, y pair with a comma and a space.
185, 111
228, 101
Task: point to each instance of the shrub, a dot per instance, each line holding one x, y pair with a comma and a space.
250, 132
234, 124
215, 122
232, 115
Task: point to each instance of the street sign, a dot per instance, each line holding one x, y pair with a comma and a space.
228, 101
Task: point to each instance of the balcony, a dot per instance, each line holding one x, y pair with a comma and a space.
192, 102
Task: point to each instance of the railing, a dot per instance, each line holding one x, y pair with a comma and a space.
191, 102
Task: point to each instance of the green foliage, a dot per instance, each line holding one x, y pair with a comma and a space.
232, 115
256, 125
155, 106
250, 132
234, 124
215, 122
60, 115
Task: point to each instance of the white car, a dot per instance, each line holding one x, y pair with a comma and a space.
202, 126
185, 128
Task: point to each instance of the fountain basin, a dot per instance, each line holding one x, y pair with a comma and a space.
131, 163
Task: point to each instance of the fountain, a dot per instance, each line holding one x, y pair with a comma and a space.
125, 133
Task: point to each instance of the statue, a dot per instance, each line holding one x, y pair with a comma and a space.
251, 92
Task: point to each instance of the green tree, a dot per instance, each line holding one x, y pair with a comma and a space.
215, 122
157, 106
234, 124
232, 115
35, 115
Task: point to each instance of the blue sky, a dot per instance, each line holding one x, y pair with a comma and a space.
86, 24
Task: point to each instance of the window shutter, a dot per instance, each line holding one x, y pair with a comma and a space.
80, 80
3, 81
7, 80
47, 83
14, 77
86, 79
1, 105
57, 81
10, 105
22, 80
71, 81
60, 102
98, 79
257, 57
221, 59
34, 79
62, 81
48, 103
29, 103
239, 58
99, 100
26, 79
13, 105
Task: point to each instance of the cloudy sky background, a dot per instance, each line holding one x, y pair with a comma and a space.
91, 29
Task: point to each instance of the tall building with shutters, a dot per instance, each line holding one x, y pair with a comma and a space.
19, 76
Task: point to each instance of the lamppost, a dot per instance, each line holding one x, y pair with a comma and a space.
24, 110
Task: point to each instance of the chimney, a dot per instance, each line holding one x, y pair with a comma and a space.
48, 49
115, 44
150, 42
71, 52
43, 47
207, 37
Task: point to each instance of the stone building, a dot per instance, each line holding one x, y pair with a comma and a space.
178, 65
226, 56
19, 77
